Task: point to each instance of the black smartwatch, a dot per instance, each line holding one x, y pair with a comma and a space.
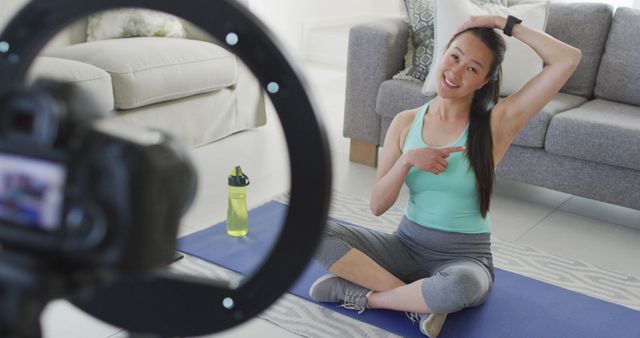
508, 27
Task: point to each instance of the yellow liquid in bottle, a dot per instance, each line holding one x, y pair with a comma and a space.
237, 213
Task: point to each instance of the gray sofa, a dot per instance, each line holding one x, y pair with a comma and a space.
585, 142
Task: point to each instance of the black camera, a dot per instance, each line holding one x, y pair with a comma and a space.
82, 192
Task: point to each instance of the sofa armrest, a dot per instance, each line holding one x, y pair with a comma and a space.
376, 52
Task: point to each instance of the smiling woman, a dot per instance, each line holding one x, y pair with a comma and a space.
439, 260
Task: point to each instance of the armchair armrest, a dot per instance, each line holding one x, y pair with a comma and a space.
376, 52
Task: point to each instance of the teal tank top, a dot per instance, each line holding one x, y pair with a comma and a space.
448, 201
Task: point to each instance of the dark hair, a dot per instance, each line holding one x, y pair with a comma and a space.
479, 139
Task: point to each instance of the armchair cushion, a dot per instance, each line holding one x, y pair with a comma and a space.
149, 70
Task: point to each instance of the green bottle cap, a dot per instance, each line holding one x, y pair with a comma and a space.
238, 178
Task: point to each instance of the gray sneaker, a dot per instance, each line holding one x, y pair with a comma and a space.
331, 288
430, 323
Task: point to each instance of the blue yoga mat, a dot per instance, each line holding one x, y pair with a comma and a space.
518, 306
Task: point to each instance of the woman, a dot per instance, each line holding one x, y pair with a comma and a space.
439, 259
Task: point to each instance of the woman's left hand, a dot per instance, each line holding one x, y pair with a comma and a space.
488, 21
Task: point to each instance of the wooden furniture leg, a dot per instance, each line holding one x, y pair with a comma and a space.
363, 153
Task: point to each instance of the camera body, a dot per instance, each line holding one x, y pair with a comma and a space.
83, 192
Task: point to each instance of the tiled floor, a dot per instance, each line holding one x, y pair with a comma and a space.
562, 224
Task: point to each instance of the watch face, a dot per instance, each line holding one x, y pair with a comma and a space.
31, 192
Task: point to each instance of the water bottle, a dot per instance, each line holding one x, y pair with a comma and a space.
237, 213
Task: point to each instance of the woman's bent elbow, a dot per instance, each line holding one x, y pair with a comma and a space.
376, 210
576, 56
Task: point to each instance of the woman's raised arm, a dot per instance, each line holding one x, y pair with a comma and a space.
560, 59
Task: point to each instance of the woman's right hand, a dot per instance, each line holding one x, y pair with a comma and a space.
431, 159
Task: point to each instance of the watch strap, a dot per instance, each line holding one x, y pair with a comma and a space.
508, 27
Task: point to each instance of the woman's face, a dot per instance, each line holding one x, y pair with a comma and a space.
464, 67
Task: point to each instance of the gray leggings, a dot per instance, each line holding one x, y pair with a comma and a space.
456, 269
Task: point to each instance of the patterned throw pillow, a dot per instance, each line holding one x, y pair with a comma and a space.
128, 22
420, 47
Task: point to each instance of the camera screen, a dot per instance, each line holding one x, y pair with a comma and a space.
31, 192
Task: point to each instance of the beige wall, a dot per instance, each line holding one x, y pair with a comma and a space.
287, 18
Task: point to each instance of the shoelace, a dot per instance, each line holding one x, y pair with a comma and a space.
413, 316
350, 301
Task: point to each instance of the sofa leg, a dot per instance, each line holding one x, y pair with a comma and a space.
363, 153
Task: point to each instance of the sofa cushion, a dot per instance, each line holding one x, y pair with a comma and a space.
92, 79
599, 131
619, 74
534, 133
594, 21
148, 70
395, 96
